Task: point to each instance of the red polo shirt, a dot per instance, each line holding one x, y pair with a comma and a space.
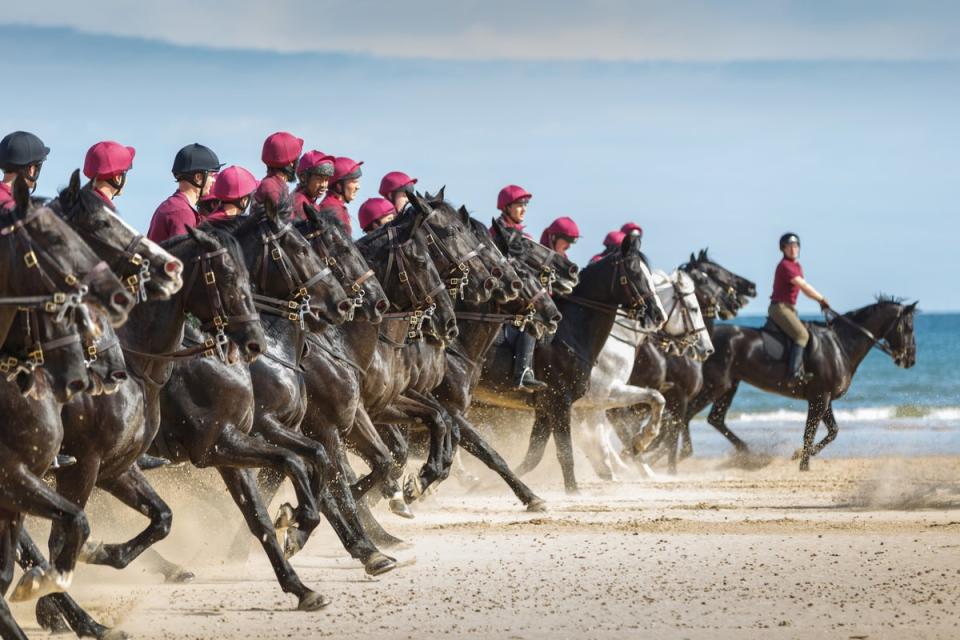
7, 202
273, 188
300, 199
172, 218
783, 289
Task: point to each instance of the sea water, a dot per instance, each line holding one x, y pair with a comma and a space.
887, 411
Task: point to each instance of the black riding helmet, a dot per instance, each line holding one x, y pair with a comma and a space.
195, 158
787, 238
21, 149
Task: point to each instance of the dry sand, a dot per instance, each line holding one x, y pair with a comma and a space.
854, 549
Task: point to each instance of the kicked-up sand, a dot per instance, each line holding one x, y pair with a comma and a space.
856, 548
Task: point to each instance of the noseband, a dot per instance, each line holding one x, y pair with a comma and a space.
356, 287
458, 275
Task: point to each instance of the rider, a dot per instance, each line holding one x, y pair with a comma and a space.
343, 189
512, 202
21, 154
788, 282
280, 153
207, 204
611, 243
107, 164
234, 188
376, 212
193, 167
313, 175
560, 235
629, 227
396, 187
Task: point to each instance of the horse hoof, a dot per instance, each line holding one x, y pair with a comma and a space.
412, 489
573, 491
114, 634
49, 617
537, 505
312, 601
91, 553
37, 583
285, 517
378, 564
179, 576
399, 507
293, 542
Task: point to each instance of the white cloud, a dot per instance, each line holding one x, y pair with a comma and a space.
682, 30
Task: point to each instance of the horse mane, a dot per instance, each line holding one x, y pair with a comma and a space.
882, 298
223, 231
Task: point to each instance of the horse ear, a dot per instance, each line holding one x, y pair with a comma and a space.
693, 258
21, 194
312, 216
74, 185
206, 241
440, 197
703, 254
912, 306
630, 244
464, 214
419, 203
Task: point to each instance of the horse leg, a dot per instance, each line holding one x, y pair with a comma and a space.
368, 523
718, 415
561, 435
9, 629
473, 443
133, 489
674, 427
242, 485
57, 612
442, 441
26, 493
365, 440
353, 539
832, 430
695, 406
815, 410
238, 449
595, 444
539, 436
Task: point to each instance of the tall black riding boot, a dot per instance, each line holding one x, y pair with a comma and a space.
523, 377
795, 366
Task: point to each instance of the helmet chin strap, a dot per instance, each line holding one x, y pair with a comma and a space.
117, 182
24, 173
290, 171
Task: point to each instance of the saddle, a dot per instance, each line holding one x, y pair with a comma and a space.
776, 344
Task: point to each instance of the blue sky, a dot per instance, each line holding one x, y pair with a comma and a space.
717, 125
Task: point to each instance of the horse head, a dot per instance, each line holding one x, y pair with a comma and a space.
557, 272
685, 324
218, 290
149, 271
455, 250
330, 240
399, 254
49, 263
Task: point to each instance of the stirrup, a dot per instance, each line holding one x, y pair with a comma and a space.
527, 382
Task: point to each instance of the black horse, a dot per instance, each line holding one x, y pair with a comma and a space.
832, 357
49, 274
721, 294
564, 363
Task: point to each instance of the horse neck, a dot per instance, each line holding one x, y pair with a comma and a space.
155, 326
361, 339
583, 327
854, 342
476, 337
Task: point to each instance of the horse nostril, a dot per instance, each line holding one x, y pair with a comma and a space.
345, 306
489, 284
122, 300
574, 270
174, 266
381, 305
556, 319
516, 285
118, 376
77, 386
253, 347
496, 272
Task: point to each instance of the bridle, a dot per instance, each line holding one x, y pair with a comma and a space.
517, 320
219, 321
457, 267
354, 288
296, 305
687, 341
57, 302
882, 343
137, 280
635, 309
423, 304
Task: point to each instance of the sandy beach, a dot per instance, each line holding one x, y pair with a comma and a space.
858, 548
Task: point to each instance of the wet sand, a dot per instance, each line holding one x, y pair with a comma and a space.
857, 548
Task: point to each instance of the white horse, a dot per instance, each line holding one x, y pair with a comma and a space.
684, 333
